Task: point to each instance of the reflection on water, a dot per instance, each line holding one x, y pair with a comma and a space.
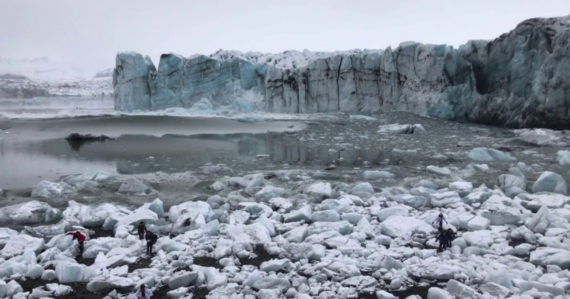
32, 150
35, 150
136, 154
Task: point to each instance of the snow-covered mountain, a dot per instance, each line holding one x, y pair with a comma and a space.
28, 78
11, 88
519, 79
44, 69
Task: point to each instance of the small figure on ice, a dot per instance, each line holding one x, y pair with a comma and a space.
450, 236
144, 292
80, 239
445, 238
141, 230
150, 241
439, 221
442, 239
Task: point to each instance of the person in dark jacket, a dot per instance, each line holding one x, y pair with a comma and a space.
450, 236
442, 238
80, 239
150, 241
141, 230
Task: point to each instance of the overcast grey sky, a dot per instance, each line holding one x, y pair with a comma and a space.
90, 33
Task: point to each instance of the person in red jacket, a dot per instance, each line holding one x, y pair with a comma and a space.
80, 239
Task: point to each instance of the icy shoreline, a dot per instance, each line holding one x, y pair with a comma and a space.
290, 233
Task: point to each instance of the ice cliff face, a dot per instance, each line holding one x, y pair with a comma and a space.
519, 79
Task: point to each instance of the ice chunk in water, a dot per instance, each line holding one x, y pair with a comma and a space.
302, 214
524, 285
353, 218
268, 192
213, 276
13, 288
259, 280
404, 227
564, 157
443, 171
87, 180
249, 234
460, 290
494, 289
87, 215
550, 182
483, 154
256, 210
58, 289
256, 182
223, 248
511, 184
534, 202
133, 185
34, 271
445, 198
478, 223
384, 295
319, 190
107, 284
182, 279
17, 244
68, 272
6, 234
297, 234
461, 187
326, 215
402, 129
551, 256
539, 221
3, 289
480, 238
47, 189
189, 215
362, 189
31, 212
169, 245
499, 211
281, 203
189, 209
49, 275
401, 210
158, 207
267, 224
410, 200
437, 293
276, 265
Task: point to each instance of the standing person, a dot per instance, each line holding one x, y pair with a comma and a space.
442, 238
141, 230
144, 292
150, 240
439, 221
80, 239
450, 236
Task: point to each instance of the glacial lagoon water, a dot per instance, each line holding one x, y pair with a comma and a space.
33, 145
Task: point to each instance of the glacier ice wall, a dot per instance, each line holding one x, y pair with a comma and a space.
520, 79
